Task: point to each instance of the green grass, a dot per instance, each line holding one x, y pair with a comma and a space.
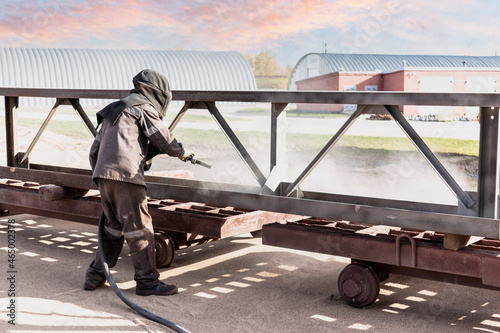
69, 128
437, 145
294, 113
253, 111
197, 117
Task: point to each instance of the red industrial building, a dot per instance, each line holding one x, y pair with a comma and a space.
376, 72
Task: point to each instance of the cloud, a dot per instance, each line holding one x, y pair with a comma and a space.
247, 24
251, 25
223, 24
54, 23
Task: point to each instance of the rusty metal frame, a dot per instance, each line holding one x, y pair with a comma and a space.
179, 217
423, 258
327, 205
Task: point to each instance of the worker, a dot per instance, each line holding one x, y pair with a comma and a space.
132, 132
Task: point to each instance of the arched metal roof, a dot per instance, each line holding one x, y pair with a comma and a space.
314, 64
114, 69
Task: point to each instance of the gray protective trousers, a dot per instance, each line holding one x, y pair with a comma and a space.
125, 206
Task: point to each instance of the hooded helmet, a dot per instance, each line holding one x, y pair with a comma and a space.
155, 87
150, 88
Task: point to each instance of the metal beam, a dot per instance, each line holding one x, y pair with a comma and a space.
82, 181
323, 97
446, 223
65, 176
220, 195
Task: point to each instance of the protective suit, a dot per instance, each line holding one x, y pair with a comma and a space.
130, 130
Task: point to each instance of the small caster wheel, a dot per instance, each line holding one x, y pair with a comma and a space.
358, 285
164, 250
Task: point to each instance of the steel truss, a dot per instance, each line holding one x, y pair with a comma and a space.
191, 210
474, 215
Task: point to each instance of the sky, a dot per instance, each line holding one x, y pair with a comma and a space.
287, 29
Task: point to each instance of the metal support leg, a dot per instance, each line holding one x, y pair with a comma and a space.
487, 185
10, 117
276, 110
278, 165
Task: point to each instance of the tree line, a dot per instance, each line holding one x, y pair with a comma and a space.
268, 73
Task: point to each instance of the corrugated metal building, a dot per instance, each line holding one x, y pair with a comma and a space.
114, 69
316, 64
379, 72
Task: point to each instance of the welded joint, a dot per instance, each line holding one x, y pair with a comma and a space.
13, 101
277, 108
413, 250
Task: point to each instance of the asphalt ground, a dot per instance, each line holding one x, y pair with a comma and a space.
231, 285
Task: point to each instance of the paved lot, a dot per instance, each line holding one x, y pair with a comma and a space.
232, 285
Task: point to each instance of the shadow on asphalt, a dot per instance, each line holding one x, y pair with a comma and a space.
231, 285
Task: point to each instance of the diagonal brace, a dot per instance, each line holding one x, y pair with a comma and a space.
179, 115
59, 101
240, 149
461, 195
75, 102
292, 187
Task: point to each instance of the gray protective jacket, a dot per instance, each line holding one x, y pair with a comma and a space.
132, 131
119, 151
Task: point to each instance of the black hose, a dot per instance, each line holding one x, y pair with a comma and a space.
119, 293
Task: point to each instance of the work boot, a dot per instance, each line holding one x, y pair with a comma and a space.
93, 279
161, 289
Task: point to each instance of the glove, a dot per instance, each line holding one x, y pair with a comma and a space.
188, 154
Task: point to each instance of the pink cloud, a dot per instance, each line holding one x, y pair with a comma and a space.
261, 22
221, 24
225, 24
63, 21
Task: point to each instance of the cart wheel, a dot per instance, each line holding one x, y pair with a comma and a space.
164, 250
358, 285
